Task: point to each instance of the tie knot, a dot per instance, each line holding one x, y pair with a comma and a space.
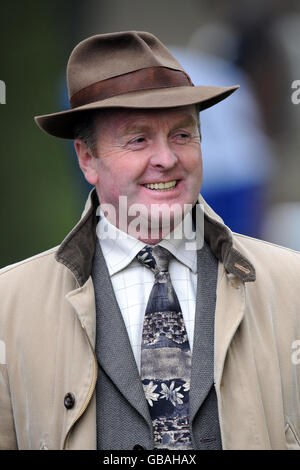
155, 258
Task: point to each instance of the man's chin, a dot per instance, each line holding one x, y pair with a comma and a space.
156, 223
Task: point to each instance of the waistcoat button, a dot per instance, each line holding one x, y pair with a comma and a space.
138, 447
69, 401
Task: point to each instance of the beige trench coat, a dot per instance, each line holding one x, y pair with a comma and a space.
47, 336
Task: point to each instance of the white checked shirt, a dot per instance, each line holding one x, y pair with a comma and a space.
132, 282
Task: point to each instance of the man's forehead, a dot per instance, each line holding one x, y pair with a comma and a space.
122, 118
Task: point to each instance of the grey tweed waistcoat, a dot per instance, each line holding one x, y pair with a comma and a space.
123, 419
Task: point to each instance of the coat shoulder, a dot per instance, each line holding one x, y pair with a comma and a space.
24, 266
258, 244
268, 257
32, 275
33, 288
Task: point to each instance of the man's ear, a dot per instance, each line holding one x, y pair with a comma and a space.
87, 161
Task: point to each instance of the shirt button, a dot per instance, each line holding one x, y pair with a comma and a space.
69, 401
138, 447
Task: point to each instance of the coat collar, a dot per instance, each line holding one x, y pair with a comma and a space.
77, 250
221, 241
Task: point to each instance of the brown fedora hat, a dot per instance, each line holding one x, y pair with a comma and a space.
128, 69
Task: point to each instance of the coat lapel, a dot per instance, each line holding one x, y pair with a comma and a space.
116, 357
82, 300
202, 374
230, 310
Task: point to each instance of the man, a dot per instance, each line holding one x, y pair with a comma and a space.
128, 335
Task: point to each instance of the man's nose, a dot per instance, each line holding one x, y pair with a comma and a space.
162, 155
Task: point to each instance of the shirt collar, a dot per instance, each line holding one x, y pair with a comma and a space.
120, 249
180, 243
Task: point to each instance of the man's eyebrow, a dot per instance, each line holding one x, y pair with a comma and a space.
188, 120
134, 127
131, 128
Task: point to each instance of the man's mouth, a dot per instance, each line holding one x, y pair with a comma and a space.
161, 186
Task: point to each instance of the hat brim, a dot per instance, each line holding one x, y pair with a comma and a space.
62, 124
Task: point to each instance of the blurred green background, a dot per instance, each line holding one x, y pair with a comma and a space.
42, 190
39, 200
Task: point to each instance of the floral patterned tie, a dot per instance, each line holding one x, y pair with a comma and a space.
165, 356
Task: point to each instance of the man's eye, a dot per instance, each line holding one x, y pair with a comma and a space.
138, 140
182, 137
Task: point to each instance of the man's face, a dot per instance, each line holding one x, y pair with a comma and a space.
152, 157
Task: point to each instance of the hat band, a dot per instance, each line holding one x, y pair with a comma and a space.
139, 80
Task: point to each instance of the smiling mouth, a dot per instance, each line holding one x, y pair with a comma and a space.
161, 186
